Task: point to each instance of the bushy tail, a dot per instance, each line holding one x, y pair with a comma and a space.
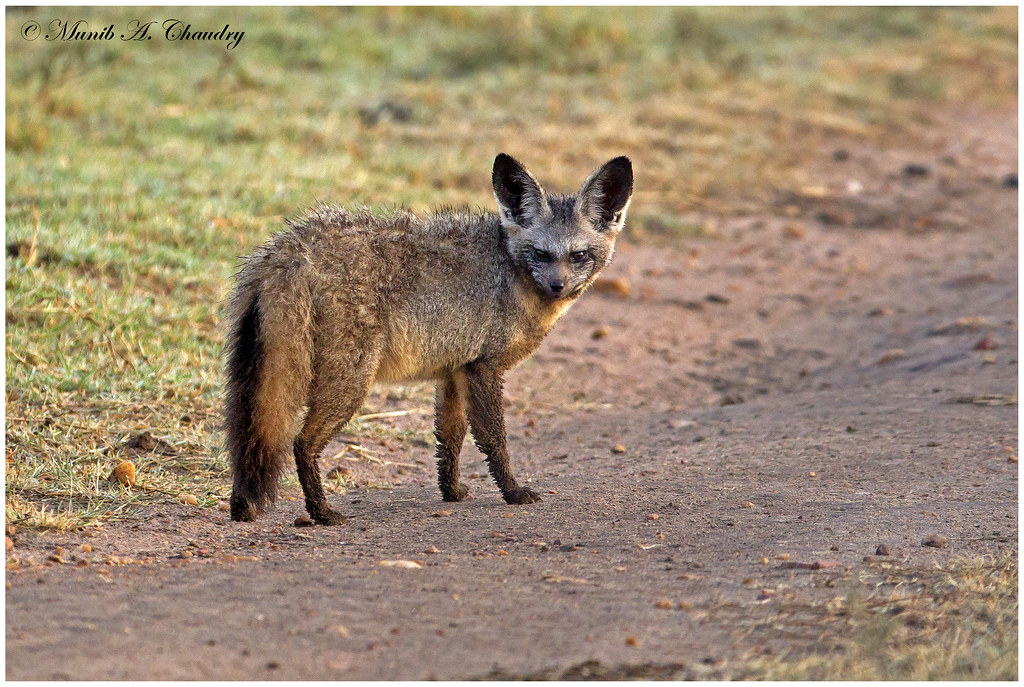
268, 373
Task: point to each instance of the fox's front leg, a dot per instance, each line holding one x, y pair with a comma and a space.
487, 420
450, 431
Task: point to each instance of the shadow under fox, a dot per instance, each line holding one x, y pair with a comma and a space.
341, 300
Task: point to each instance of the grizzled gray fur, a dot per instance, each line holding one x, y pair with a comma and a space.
342, 300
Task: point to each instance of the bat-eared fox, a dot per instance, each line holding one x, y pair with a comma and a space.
341, 300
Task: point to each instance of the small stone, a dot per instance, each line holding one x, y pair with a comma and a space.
834, 547
631, 640
338, 472
746, 504
794, 230
812, 474
962, 325
892, 355
882, 550
965, 281
618, 448
440, 513
664, 604
821, 565
782, 557
840, 155
879, 312
432, 549
764, 561
936, 541
747, 344
599, 333
765, 594
916, 170
124, 473
716, 298
1012, 458
8, 543
987, 343
303, 521
652, 516
413, 565
86, 548
1010, 180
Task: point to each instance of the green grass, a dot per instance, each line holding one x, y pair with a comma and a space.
138, 173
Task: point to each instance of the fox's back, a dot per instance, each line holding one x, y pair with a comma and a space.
433, 290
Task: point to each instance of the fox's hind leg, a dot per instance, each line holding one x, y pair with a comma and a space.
450, 431
337, 392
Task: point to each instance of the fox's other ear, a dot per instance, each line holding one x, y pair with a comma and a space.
518, 194
606, 194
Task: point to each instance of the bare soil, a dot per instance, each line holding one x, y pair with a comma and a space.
819, 378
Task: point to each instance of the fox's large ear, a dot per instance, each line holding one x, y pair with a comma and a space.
605, 196
518, 194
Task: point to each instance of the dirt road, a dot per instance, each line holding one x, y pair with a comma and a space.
835, 373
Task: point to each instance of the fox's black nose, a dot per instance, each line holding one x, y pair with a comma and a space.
556, 286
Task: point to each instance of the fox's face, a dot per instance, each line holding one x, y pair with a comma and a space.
561, 242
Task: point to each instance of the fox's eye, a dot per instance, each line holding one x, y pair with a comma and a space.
578, 256
541, 255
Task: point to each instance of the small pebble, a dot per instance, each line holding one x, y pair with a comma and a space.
124, 473
987, 343
652, 516
882, 550
631, 640
936, 541
664, 604
432, 549
599, 333
303, 521
8, 543
916, 170
618, 448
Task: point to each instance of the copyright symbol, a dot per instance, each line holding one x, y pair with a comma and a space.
30, 30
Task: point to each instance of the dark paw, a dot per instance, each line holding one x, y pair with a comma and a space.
242, 510
521, 495
461, 493
326, 516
